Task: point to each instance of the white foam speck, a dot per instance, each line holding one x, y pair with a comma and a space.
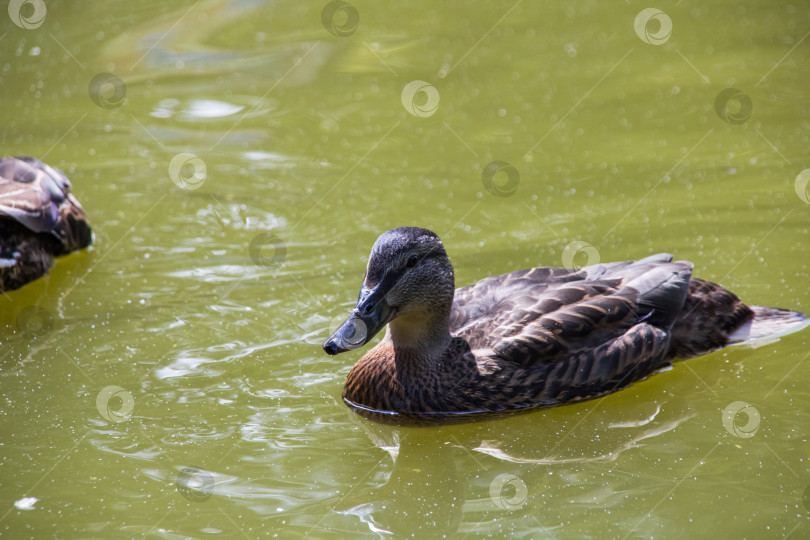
26, 503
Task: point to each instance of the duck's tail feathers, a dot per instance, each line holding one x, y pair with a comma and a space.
710, 315
767, 325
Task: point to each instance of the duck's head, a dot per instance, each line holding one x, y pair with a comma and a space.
409, 282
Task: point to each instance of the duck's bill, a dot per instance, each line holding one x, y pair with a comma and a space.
369, 316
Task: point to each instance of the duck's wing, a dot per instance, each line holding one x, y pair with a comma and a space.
30, 194
38, 197
546, 315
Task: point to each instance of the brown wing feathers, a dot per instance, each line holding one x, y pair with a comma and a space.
590, 334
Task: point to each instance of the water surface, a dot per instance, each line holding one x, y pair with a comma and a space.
214, 279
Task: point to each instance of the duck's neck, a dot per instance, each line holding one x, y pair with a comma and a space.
421, 337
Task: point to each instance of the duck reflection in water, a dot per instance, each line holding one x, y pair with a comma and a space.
492, 476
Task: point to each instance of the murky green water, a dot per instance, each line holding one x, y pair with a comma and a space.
227, 420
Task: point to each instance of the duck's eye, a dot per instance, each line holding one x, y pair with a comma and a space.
412, 260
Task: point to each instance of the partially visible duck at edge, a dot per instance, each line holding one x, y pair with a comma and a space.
39, 220
528, 339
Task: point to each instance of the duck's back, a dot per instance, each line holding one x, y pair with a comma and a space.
39, 219
565, 334
551, 335
599, 328
544, 313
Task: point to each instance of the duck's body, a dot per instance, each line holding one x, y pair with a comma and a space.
39, 220
527, 339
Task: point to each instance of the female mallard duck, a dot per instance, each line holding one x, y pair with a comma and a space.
39, 220
528, 339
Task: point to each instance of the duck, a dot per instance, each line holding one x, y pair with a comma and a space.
529, 339
39, 220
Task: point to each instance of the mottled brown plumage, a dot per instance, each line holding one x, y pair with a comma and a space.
39, 220
528, 339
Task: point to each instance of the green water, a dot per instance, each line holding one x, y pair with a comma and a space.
304, 146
